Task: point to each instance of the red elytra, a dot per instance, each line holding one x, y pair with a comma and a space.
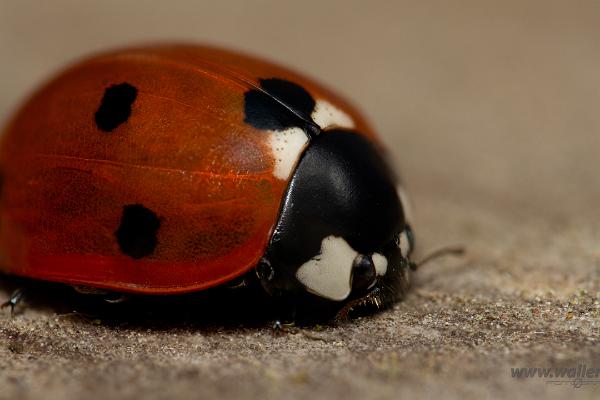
185, 153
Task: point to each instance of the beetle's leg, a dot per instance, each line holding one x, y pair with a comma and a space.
89, 290
279, 328
116, 298
238, 283
285, 313
107, 296
15, 298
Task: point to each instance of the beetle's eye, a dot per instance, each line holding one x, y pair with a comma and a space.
363, 272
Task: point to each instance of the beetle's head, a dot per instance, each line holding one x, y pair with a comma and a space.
342, 236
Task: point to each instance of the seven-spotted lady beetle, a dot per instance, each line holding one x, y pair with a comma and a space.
176, 168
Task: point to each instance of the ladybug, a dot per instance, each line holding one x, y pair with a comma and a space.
176, 168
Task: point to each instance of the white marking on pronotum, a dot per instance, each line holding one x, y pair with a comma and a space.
327, 115
406, 204
381, 263
329, 273
286, 145
404, 244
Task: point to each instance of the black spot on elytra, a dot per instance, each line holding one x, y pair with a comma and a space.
280, 105
137, 233
115, 107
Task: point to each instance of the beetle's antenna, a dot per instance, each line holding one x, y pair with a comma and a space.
444, 251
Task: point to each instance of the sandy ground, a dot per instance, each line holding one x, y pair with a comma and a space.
492, 114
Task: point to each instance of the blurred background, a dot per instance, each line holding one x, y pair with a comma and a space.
472, 91
491, 110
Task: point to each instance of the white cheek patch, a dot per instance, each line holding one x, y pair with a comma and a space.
381, 263
329, 273
286, 146
406, 204
327, 115
404, 244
